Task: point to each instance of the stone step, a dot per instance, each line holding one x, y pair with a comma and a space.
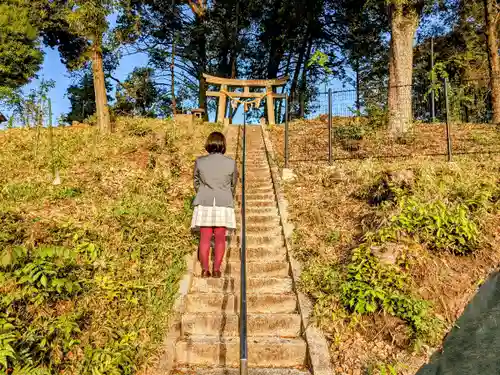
263, 189
258, 182
259, 211
232, 284
259, 163
256, 196
252, 203
255, 171
236, 371
259, 254
256, 218
262, 352
257, 240
257, 269
258, 188
227, 325
256, 302
261, 229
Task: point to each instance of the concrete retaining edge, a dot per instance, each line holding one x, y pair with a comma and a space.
317, 345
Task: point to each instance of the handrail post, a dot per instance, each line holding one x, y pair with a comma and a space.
448, 119
330, 114
287, 151
243, 283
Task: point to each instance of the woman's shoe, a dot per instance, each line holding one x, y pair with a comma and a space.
205, 274
217, 274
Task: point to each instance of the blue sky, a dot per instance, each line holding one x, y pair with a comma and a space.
53, 69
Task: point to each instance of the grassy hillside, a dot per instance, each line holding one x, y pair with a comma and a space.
392, 249
89, 268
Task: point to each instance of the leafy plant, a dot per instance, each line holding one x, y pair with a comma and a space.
68, 192
349, 132
440, 226
332, 237
371, 286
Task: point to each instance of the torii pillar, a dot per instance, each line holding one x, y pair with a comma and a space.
263, 84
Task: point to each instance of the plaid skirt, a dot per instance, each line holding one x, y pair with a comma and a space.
205, 216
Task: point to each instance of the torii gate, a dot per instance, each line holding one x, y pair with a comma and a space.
269, 95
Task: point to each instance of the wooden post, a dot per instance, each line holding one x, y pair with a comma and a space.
221, 112
270, 105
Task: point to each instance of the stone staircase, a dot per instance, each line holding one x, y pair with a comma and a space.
209, 343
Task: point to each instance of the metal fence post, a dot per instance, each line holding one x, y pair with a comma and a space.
330, 135
433, 100
287, 151
448, 119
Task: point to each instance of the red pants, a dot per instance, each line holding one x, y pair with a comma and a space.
220, 246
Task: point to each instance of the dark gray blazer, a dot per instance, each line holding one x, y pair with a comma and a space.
215, 177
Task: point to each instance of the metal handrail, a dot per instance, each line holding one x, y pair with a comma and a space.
243, 275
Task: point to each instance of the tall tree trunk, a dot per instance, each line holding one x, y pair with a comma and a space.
287, 71
491, 21
404, 24
201, 46
298, 66
172, 63
275, 56
101, 99
234, 52
303, 80
172, 84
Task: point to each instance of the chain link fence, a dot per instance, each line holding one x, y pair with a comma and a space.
446, 119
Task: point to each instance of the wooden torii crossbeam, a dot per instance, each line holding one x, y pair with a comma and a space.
266, 84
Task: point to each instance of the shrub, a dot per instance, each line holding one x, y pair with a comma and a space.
371, 286
349, 132
320, 278
378, 116
440, 226
388, 187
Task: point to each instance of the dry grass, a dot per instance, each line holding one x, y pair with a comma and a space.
331, 219
129, 193
424, 140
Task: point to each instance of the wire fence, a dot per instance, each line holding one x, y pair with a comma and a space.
442, 120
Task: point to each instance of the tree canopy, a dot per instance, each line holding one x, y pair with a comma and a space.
373, 46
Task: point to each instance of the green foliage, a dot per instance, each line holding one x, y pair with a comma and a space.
89, 290
387, 370
440, 226
31, 109
20, 53
68, 192
82, 98
332, 237
321, 59
371, 286
140, 95
349, 132
319, 279
116, 358
378, 116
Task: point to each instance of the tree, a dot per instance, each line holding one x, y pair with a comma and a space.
82, 98
491, 16
87, 19
139, 95
20, 53
358, 28
77, 28
460, 54
404, 17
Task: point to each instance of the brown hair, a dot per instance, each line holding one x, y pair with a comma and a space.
216, 143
